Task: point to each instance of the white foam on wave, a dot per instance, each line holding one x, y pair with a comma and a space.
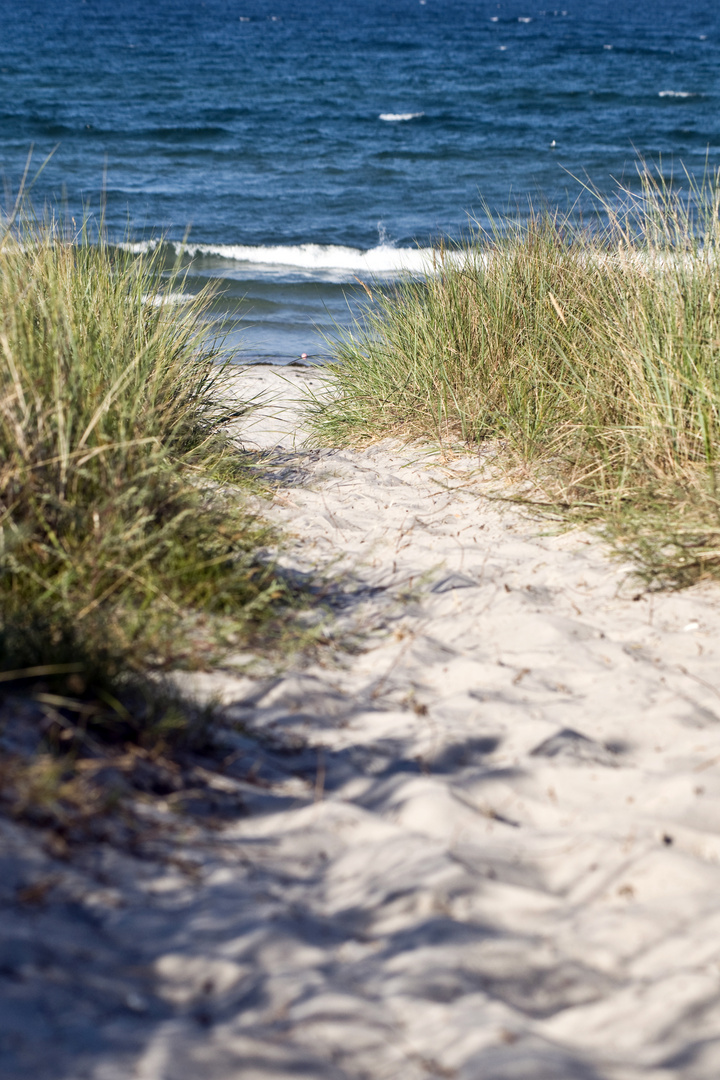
171, 299
378, 261
524, 18
142, 247
327, 260
677, 93
398, 117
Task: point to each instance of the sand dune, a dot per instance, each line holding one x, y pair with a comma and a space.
486, 845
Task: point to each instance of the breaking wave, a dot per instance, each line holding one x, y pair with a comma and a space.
308, 259
398, 117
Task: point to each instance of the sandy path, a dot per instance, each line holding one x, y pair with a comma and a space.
486, 846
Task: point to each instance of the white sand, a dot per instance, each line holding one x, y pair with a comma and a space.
487, 845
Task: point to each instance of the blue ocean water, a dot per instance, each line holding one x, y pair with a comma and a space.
301, 145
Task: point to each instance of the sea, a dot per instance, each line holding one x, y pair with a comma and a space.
294, 151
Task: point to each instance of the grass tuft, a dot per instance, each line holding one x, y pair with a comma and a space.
594, 354
124, 520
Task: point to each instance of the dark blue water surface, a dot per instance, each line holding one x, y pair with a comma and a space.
305, 143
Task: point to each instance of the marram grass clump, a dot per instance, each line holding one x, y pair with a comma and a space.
123, 519
593, 355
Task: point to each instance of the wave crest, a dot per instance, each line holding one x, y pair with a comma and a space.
326, 261
399, 117
379, 261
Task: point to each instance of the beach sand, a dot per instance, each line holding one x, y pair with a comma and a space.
482, 837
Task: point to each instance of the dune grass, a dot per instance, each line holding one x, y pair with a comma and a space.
124, 522
592, 354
